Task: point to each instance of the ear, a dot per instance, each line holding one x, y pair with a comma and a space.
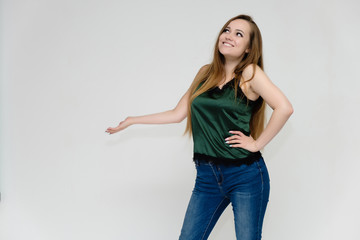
247, 50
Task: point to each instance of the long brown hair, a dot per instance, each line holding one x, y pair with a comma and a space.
211, 74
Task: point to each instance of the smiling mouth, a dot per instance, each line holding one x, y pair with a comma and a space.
228, 44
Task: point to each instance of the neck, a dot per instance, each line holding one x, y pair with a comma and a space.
229, 68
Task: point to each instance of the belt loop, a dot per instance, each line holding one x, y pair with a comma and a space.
197, 163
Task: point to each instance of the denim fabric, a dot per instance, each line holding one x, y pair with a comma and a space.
246, 187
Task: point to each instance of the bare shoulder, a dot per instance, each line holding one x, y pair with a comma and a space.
202, 71
251, 71
204, 68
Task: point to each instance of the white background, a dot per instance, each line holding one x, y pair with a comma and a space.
72, 68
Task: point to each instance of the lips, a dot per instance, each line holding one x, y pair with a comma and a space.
228, 44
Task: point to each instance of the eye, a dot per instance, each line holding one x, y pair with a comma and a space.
239, 34
226, 30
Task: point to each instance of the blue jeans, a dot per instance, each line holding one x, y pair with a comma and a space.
246, 187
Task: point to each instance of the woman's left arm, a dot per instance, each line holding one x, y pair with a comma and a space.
282, 110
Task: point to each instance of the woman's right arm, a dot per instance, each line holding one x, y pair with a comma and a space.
175, 115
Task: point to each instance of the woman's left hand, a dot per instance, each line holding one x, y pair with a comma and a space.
238, 139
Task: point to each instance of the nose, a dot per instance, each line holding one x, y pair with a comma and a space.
228, 37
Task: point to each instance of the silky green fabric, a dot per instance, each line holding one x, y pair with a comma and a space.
216, 112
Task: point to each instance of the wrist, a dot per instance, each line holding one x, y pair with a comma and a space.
257, 147
130, 120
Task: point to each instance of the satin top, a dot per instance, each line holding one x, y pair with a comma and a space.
213, 114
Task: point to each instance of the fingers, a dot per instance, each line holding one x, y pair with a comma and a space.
240, 140
233, 137
237, 133
109, 130
112, 130
236, 140
236, 136
237, 145
122, 125
234, 143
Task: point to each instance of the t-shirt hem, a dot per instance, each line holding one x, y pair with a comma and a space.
227, 161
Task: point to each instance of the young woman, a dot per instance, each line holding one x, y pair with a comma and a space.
225, 108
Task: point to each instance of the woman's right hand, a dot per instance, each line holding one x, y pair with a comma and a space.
122, 125
175, 115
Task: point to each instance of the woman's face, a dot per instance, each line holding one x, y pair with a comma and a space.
234, 41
